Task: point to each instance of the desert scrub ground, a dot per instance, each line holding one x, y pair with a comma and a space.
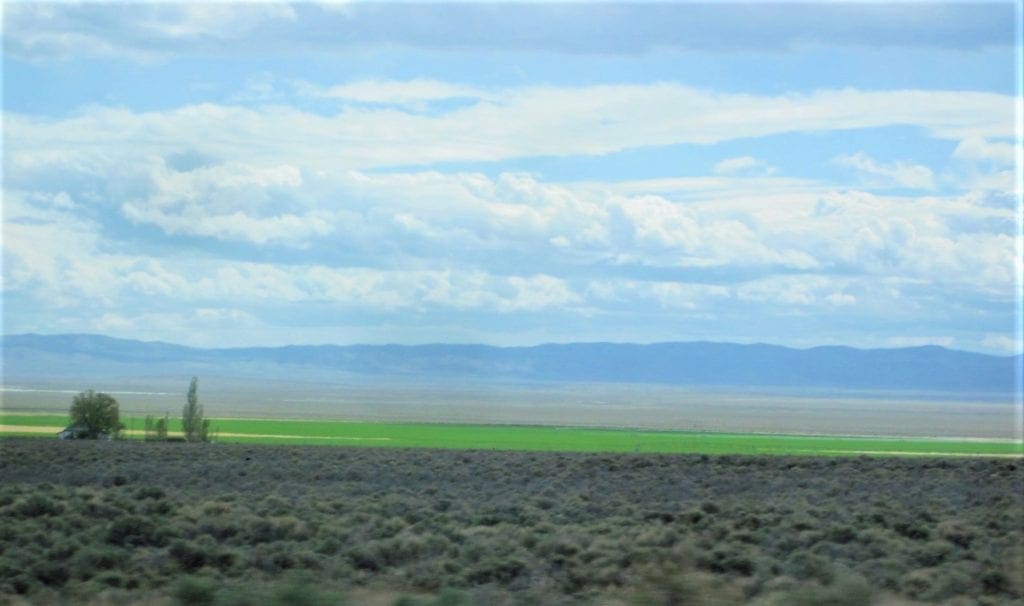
126, 522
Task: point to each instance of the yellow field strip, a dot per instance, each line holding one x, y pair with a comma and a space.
138, 432
55, 430
45, 413
29, 429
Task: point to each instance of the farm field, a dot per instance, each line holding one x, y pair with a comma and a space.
538, 438
164, 523
561, 404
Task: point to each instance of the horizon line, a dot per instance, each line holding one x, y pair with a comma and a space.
534, 345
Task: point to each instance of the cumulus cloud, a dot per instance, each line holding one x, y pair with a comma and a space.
979, 149
268, 197
434, 219
74, 271
793, 290
896, 258
992, 165
899, 173
231, 201
428, 242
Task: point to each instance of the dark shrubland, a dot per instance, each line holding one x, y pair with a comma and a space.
119, 522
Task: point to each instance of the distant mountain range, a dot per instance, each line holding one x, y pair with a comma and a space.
930, 368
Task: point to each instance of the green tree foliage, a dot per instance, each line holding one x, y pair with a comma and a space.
160, 428
97, 412
193, 425
156, 429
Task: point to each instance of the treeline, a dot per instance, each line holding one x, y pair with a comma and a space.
96, 415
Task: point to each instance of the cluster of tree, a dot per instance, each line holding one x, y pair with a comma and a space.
96, 414
156, 428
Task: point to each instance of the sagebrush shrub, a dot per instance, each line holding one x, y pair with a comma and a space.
505, 527
53, 574
195, 591
93, 559
133, 530
37, 505
188, 556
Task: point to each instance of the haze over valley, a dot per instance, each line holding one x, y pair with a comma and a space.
926, 391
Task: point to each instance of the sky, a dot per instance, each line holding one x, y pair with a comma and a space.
234, 174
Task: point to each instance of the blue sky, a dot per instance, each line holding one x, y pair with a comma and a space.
514, 173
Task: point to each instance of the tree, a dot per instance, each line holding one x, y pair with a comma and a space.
97, 413
156, 429
160, 427
193, 425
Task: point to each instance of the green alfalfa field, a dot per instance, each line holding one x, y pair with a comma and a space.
536, 438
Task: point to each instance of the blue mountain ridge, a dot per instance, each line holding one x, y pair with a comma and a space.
927, 368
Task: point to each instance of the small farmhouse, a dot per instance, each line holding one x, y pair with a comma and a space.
79, 431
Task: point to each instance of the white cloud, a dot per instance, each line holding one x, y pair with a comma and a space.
1003, 343
785, 290
477, 27
535, 293
990, 165
889, 249
193, 20
675, 297
448, 241
899, 173
143, 31
74, 272
920, 341
452, 289
518, 122
206, 327
406, 92
151, 277
64, 271
433, 220
909, 237
584, 223
997, 152
839, 299
232, 201
238, 226
743, 165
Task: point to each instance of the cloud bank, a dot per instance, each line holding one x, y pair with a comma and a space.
429, 172
148, 31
